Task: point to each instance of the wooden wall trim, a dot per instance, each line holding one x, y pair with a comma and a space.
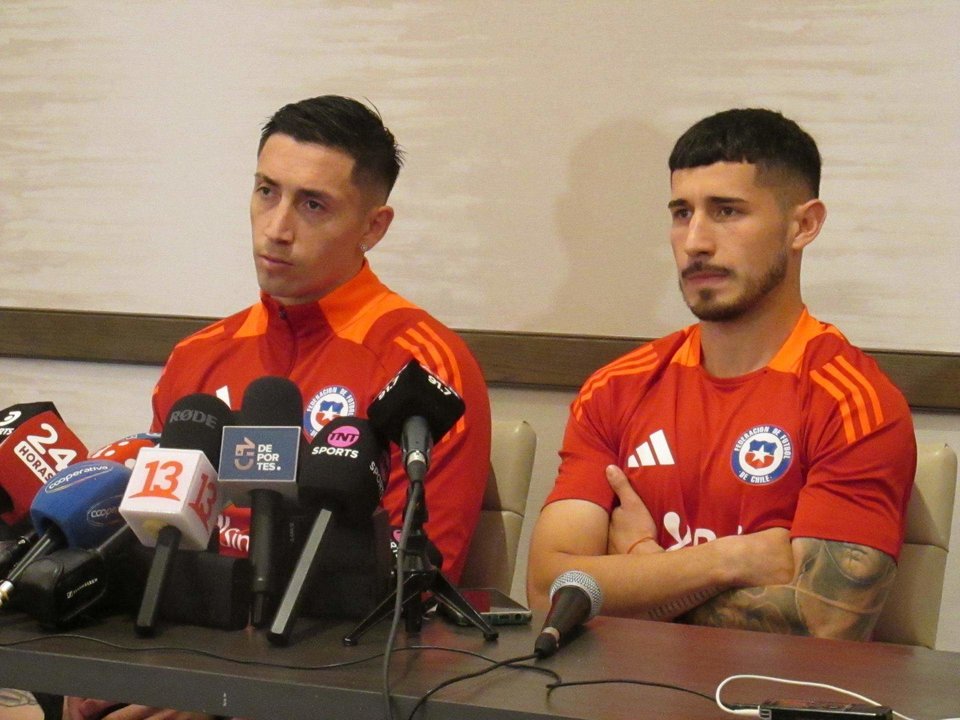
930, 381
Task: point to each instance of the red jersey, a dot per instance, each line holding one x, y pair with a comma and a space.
341, 351
819, 441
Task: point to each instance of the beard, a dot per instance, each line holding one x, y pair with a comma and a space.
705, 306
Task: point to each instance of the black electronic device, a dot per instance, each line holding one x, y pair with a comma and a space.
813, 710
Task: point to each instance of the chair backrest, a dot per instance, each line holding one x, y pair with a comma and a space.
913, 606
492, 557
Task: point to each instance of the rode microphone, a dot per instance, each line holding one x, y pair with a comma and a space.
258, 466
172, 495
575, 597
77, 507
415, 410
344, 473
38, 446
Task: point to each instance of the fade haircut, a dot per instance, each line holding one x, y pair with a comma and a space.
775, 144
348, 126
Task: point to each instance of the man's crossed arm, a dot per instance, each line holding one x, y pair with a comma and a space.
760, 581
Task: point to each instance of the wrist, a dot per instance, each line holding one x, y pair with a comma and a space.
643, 545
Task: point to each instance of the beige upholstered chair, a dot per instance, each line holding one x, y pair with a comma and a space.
913, 607
493, 551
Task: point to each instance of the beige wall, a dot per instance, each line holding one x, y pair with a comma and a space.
536, 134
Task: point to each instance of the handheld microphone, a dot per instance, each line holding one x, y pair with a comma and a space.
77, 507
258, 466
344, 473
415, 410
575, 598
172, 494
37, 447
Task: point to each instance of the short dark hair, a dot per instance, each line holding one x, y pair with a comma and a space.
764, 138
346, 125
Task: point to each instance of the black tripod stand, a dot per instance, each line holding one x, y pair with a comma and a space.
419, 576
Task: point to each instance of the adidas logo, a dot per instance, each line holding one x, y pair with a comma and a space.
656, 451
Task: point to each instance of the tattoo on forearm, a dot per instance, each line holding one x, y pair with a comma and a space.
838, 591
674, 608
16, 698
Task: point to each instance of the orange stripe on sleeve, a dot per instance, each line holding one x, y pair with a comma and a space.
632, 370
854, 393
866, 385
412, 349
641, 358
439, 361
423, 347
837, 395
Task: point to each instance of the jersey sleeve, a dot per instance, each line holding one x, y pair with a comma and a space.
588, 447
460, 461
862, 455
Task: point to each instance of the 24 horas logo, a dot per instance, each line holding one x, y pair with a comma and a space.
762, 455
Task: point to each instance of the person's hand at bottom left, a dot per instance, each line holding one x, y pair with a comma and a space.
77, 708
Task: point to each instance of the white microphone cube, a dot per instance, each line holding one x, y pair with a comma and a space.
172, 487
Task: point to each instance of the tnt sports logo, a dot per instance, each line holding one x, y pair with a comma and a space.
339, 443
344, 437
332, 402
762, 455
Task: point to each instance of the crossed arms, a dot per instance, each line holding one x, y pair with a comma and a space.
760, 581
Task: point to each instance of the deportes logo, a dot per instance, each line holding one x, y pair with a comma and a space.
762, 455
332, 402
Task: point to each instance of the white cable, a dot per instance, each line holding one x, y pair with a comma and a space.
806, 683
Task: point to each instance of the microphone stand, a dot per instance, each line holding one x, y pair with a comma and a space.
419, 574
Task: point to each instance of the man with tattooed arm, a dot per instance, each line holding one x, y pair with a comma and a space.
753, 469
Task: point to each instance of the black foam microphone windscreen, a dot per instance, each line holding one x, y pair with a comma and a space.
414, 410
258, 466
344, 476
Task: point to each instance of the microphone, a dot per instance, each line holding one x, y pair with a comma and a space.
258, 466
12, 417
37, 445
415, 410
59, 588
12, 550
126, 449
77, 507
575, 598
345, 472
172, 494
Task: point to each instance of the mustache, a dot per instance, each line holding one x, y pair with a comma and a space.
699, 266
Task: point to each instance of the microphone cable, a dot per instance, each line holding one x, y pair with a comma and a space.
516, 663
405, 530
244, 661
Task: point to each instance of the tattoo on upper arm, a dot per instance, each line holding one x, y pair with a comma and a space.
838, 591
16, 698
